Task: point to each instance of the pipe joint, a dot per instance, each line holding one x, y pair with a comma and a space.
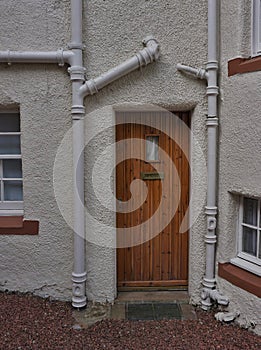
60, 58
211, 210
78, 289
90, 87
150, 53
212, 121
77, 110
197, 72
77, 73
212, 90
153, 46
214, 295
76, 46
209, 283
211, 239
212, 65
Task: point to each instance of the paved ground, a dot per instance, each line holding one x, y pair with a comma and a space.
139, 306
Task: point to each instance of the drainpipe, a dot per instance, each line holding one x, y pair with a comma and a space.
209, 292
76, 72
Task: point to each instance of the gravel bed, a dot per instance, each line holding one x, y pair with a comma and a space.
29, 322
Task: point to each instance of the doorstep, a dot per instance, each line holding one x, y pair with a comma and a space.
138, 306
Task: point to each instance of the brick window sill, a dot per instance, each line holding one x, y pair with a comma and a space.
244, 65
16, 225
240, 278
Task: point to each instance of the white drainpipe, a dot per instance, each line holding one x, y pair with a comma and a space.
77, 71
209, 292
79, 90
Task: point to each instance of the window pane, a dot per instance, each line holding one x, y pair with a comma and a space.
249, 243
259, 253
250, 211
9, 122
13, 191
10, 144
152, 147
12, 168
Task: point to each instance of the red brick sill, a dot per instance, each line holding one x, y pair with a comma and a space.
16, 225
244, 65
240, 278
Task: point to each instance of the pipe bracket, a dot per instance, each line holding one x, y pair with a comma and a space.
60, 58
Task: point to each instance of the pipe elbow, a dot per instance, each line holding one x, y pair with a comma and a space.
150, 53
153, 46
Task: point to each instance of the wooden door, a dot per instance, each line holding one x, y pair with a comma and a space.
158, 260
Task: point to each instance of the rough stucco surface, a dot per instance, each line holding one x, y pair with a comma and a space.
44, 263
240, 150
41, 264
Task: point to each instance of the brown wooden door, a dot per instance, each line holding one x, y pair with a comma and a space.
161, 261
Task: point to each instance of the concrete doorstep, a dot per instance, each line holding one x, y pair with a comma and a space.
138, 306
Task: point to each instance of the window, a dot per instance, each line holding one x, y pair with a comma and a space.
152, 148
256, 27
249, 235
11, 184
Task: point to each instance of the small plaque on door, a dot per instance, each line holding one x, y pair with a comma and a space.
152, 176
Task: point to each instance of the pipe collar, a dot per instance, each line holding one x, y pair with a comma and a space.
77, 73
211, 121
77, 111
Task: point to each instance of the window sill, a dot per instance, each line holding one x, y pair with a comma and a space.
16, 225
240, 278
241, 65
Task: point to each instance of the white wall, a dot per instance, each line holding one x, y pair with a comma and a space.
113, 31
240, 148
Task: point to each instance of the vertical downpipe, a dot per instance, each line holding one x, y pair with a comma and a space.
209, 281
78, 111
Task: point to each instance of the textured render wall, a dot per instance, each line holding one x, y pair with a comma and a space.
113, 31
41, 264
240, 150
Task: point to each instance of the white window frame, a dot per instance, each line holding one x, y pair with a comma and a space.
243, 259
8, 208
256, 28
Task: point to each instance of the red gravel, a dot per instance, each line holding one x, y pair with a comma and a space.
28, 322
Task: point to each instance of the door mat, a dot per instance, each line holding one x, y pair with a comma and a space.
152, 311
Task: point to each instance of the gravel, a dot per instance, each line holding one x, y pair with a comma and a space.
29, 322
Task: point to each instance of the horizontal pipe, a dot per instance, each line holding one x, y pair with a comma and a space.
60, 57
149, 54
